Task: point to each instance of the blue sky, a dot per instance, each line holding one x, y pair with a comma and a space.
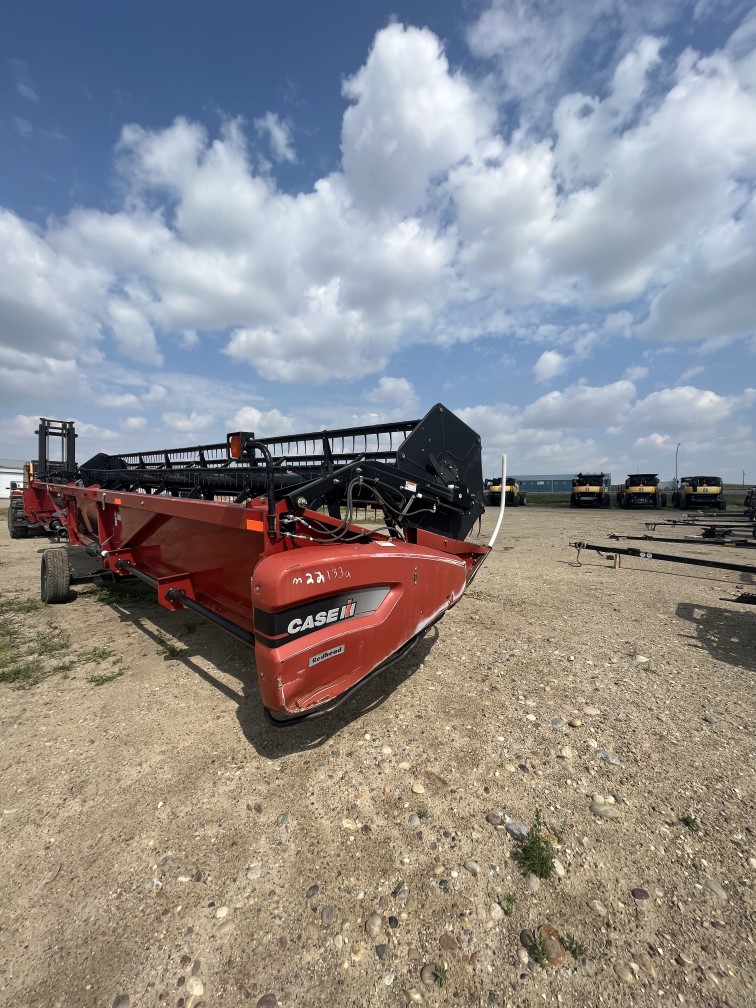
295, 216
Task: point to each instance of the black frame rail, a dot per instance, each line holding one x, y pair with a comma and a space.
648, 555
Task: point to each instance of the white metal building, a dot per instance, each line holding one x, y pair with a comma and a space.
11, 470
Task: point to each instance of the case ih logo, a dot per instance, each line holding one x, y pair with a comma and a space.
277, 628
298, 625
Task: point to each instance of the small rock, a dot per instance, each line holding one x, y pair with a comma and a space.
282, 819
522, 956
312, 892
605, 811
495, 912
518, 831
683, 960
639, 894
389, 978
338, 941
598, 907
195, 986
414, 996
575, 722
640, 660
473, 867
589, 966
644, 961
326, 916
713, 886
254, 872
374, 925
558, 722
709, 719
414, 819
527, 938
122, 1001
559, 868
608, 757
591, 711
267, 1001
222, 912
418, 789
623, 971
533, 882
448, 941
393, 922
429, 973
566, 752
493, 819
226, 928
382, 951
553, 945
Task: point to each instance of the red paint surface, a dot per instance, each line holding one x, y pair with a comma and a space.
221, 555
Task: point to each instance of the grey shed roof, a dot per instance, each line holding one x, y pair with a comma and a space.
12, 464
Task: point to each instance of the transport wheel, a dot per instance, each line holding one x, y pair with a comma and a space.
523, 499
16, 531
55, 576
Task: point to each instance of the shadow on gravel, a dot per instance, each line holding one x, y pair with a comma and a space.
232, 658
728, 636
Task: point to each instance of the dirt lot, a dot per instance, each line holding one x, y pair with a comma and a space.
163, 846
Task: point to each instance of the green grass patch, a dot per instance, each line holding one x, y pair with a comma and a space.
576, 948
507, 903
20, 605
122, 591
95, 655
691, 822
102, 680
52, 641
537, 853
171, 651
21, 674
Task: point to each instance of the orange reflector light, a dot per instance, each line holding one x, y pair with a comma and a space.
254, 526
235, 446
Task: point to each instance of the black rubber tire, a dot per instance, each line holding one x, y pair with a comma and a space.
513, 501
607, 501
523, 499
722, 505
663, 500
55, 577
15, 531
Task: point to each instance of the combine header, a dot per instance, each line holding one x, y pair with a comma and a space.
259, 537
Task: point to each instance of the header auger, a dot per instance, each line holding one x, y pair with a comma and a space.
258, 535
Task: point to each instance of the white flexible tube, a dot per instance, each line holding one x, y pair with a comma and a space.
502, 503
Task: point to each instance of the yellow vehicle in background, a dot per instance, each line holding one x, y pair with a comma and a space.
699, 492
590, 490
641, 490
513, 496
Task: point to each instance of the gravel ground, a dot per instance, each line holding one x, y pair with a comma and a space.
163, 846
